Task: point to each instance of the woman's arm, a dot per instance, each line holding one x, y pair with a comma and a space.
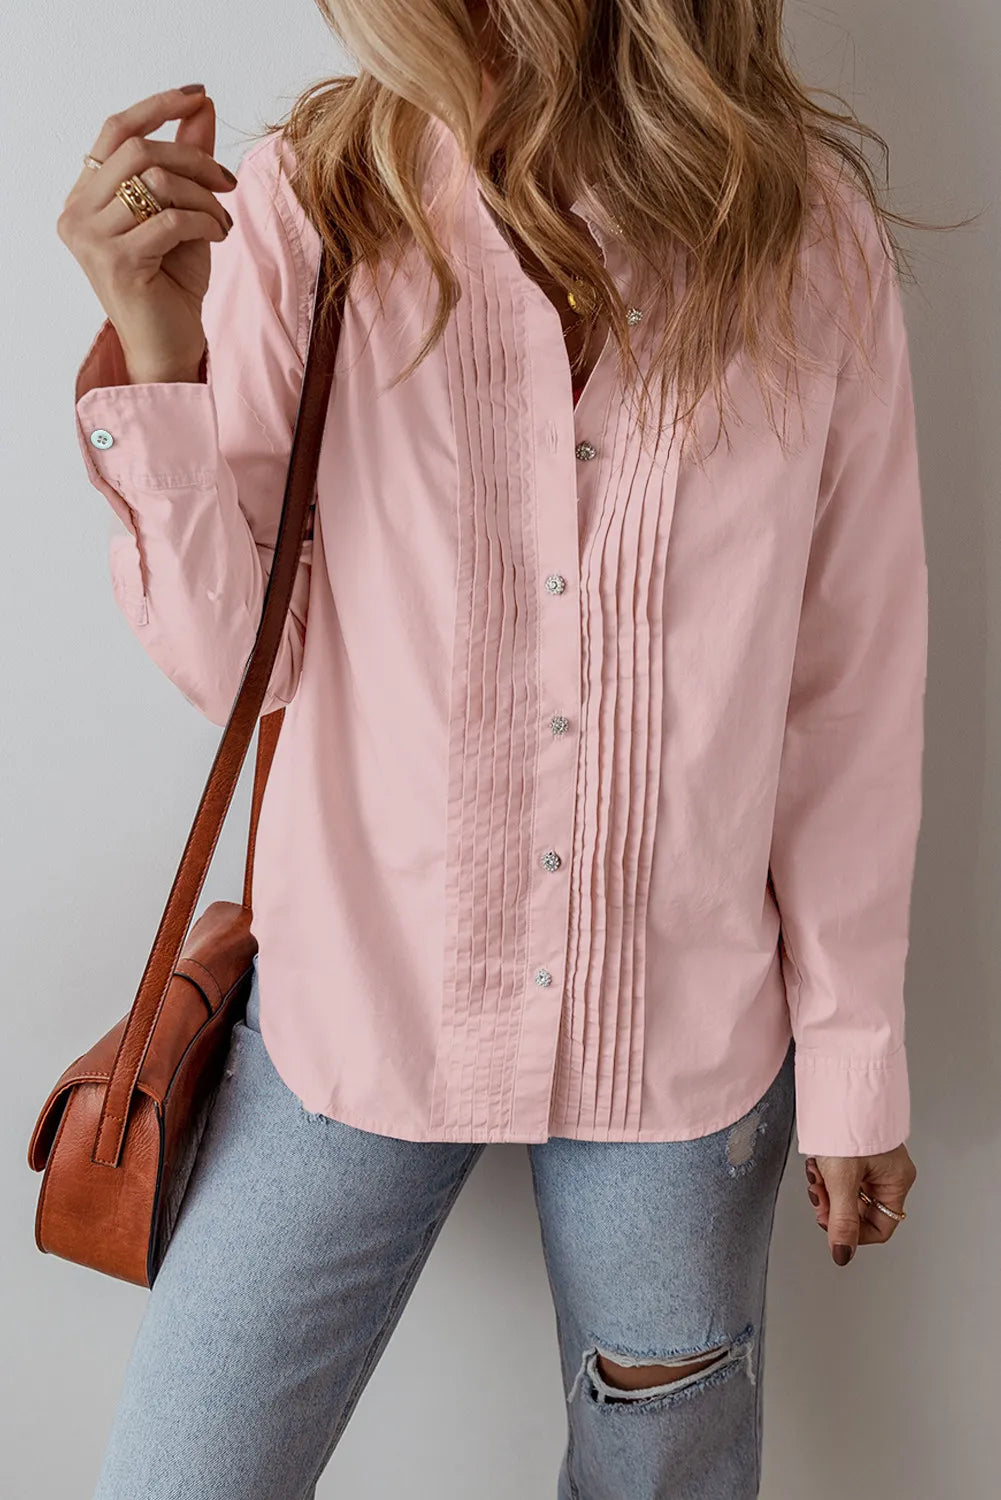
196, 470
849, 796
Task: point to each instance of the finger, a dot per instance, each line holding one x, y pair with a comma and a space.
198, 128
844, 1224
144, 117
137, 157
149, 114
879, 1225
871, 1230
156, 237
816, 1188
172, 191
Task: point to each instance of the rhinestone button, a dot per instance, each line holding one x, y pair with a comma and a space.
586, 450
633, 315
550, 860
101, 439
559, 724
555, 583
543, 977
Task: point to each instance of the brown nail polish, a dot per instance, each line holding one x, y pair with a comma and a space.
229, 176
843, 1254
229, 219
192, 88
813, 1198
811, 1175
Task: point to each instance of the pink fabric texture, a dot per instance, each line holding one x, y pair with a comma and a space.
600, 775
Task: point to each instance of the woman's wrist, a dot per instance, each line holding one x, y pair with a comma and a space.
138, 375
154, 373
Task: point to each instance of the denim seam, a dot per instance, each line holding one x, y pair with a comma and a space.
385, 1332
568, 1457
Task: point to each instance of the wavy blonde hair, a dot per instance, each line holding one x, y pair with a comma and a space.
683, 115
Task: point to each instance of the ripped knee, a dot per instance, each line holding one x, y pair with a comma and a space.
635, 1377
615, 1375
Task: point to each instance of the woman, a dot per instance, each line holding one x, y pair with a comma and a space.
593, 817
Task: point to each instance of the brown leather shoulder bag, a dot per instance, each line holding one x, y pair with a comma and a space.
118, 1135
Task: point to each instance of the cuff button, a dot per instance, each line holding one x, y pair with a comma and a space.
101, 439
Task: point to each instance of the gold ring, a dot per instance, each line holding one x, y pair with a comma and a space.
92, 161
875, 1203
136, 195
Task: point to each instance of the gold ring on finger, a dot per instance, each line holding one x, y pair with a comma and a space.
875, 1203
136, 195
92, 161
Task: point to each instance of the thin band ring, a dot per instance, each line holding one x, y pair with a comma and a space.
875, 1203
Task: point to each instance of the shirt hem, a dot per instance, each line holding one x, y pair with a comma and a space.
506, 1137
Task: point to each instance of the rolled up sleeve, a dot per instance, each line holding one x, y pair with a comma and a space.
849, 797
195, 470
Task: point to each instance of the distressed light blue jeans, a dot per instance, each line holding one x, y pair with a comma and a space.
299, 1240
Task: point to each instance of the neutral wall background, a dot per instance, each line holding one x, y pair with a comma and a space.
881, 1378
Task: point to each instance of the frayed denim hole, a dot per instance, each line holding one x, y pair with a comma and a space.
238, 1032
742, 1140
740, 1353
315, 1116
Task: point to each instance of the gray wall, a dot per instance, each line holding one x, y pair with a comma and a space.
881, 1378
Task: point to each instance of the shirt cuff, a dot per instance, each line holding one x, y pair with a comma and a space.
851, 1107
148, 436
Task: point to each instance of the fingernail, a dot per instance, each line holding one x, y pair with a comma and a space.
192, 88
229, 219
843, 1254
811, 1175
229, 176
813, 1198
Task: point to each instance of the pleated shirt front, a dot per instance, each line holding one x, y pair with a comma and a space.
600, 773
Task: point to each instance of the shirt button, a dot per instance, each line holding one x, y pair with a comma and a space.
555, 583
101, 439
550, 860
543, 977
633, 315
585, 450
559, 724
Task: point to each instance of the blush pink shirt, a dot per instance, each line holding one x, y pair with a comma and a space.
600, 776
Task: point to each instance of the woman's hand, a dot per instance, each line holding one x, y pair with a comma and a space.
834, 1182
151, 277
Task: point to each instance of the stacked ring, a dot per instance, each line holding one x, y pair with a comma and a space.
136, 195
133, 192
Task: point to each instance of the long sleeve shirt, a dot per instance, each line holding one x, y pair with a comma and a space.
600, 772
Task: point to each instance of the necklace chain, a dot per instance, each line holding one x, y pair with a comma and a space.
582, 296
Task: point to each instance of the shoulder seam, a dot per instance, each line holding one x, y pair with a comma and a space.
279, 192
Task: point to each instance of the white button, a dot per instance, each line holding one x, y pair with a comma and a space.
556, 583
550, 860
543, 977
586, 450
633, 315
101, 439
559, 724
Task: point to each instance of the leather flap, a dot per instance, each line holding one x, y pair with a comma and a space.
218, 952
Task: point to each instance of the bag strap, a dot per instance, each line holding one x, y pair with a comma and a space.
244, 716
